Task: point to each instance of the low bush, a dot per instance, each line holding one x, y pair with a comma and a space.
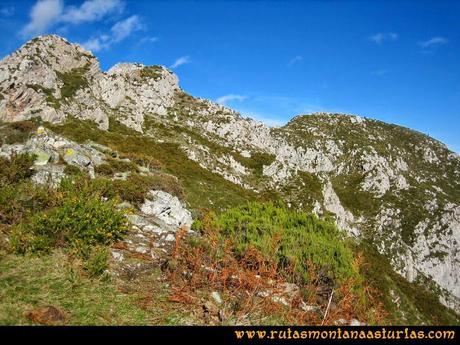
252, 254
291, 239
72, 170
75, 223
16, 132
15, 169
136, 187
96, 260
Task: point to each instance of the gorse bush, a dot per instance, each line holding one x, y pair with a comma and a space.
293, 240
76, 222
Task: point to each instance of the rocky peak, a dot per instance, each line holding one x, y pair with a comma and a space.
51, 78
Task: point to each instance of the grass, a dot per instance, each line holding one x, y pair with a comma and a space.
30, 282
202, 188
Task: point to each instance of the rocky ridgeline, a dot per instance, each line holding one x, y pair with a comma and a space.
52, 78
385, 184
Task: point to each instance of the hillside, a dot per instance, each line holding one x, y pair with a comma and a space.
164, 159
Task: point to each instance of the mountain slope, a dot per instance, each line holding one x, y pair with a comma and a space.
388, 186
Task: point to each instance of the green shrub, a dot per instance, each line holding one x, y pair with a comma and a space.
77, 222
137, 186
73, 81
151, 72
16, 169
257, 161
104, 169
72, 170
16, 132
292, 239
96, 260
20, 200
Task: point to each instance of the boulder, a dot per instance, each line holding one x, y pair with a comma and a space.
168, 209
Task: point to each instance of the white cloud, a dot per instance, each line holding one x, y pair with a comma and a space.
181, 61
229, 98
98, 43
47, 13
118, 32
7, 11
381, 37
91, 10
125, 28
268, 119
295, 59
434, 42
43, 14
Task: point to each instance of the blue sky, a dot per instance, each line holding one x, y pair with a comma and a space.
397, 61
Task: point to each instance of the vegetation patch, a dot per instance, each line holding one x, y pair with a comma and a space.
289, 238
16, 132
153, 72
28, 282
257, 161
359, 202
248, 254
79, 220
73, 81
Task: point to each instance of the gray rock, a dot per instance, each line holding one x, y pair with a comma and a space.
50, 174
216, 297
168, 209
42, 157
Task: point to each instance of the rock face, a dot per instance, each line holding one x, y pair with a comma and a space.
51, 78
396, 188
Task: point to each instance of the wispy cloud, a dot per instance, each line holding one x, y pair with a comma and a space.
7, 11
433, 42
295, 59
183, 60
230, 98
382, 37
118, 32
125, 28
268, 119
91, 10
47, 13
